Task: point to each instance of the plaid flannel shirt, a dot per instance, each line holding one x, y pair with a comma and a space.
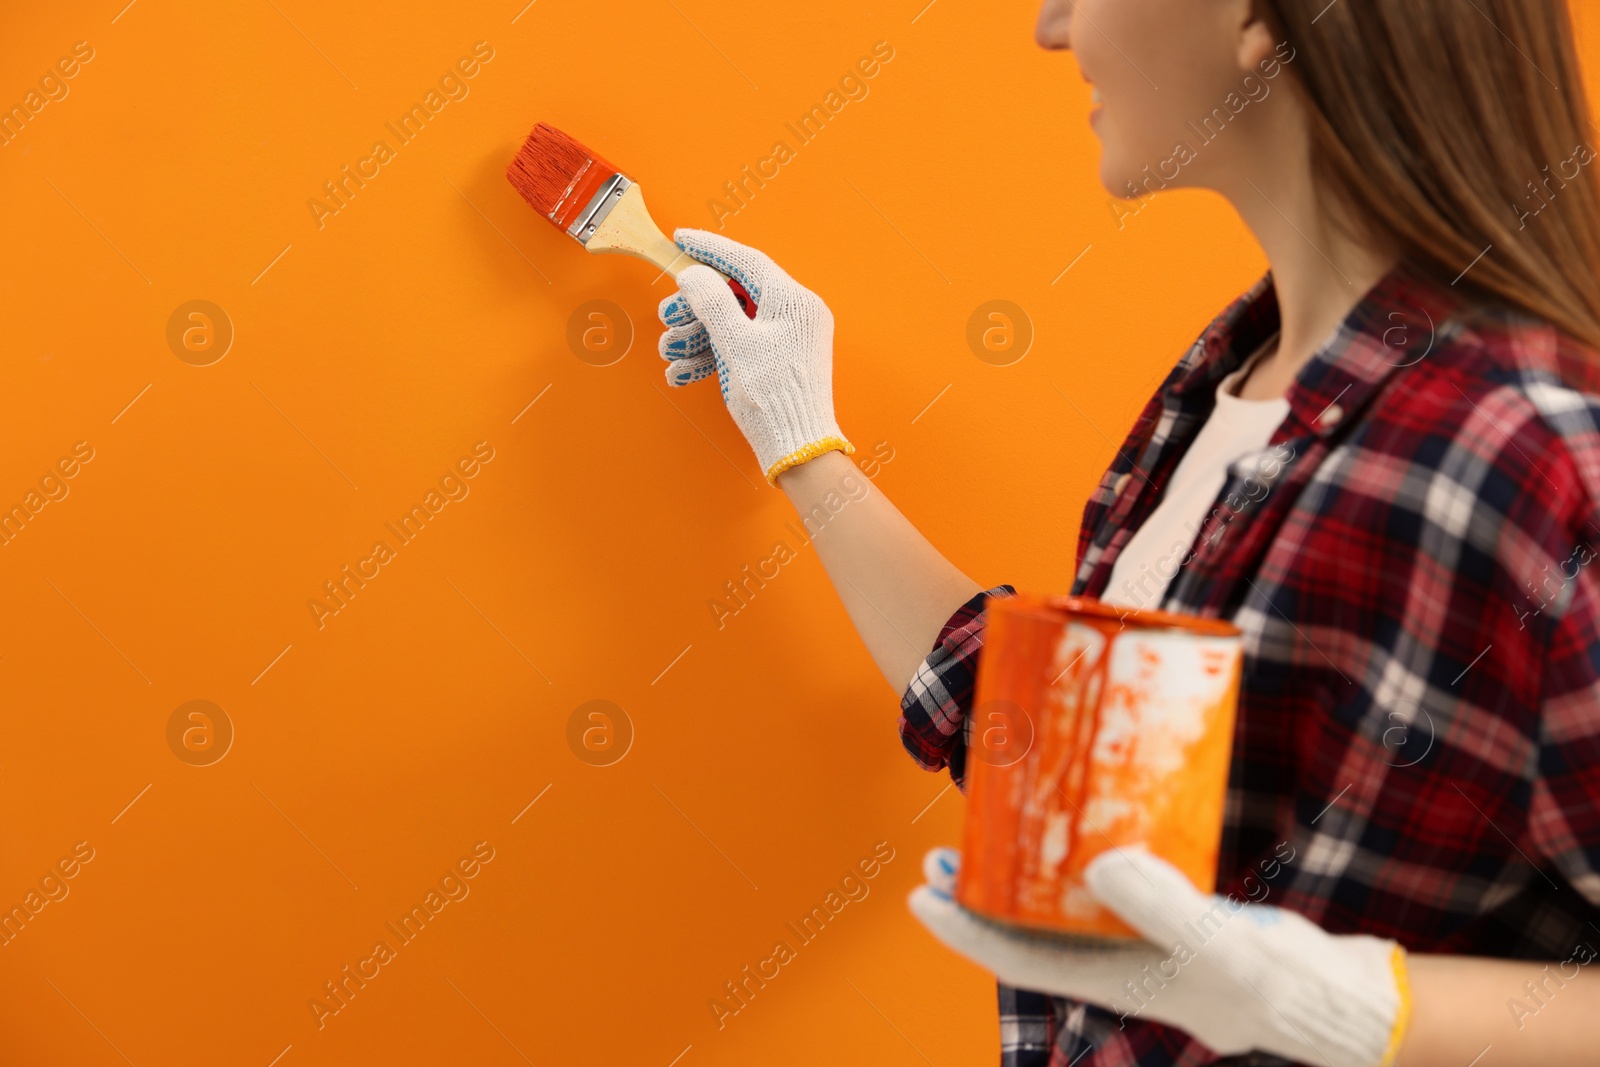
1407, 560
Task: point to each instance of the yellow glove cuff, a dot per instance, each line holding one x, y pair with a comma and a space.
811, 451
1402, 1017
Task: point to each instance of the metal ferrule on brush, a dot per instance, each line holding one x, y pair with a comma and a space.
600, 205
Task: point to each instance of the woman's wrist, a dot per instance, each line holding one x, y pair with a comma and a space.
1528, 1011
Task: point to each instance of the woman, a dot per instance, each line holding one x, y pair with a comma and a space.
1382, 463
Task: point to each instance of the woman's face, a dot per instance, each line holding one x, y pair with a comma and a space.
1160, 69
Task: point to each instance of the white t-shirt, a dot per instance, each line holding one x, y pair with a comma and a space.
1235, 428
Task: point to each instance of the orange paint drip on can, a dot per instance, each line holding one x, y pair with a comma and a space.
1093, 727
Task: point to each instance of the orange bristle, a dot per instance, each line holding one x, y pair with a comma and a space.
556, 174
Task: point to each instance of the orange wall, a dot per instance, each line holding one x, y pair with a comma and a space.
377, 750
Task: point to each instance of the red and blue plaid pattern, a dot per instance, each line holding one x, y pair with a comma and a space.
1409, 562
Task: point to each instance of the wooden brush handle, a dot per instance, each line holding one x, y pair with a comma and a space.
629, 230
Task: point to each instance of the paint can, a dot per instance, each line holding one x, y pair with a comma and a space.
1092, 727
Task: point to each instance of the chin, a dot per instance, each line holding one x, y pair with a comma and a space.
1138, 168
1114, 176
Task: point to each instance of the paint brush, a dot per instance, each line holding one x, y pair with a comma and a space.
596, 204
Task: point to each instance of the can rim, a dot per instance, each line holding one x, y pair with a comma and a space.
1062, 606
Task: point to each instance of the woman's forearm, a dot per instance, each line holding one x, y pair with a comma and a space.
896, 587
1523, 1012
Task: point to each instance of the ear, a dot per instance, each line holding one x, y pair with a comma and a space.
1256, 37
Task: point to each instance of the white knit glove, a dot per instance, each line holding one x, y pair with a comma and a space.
1236, 976
776, 370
